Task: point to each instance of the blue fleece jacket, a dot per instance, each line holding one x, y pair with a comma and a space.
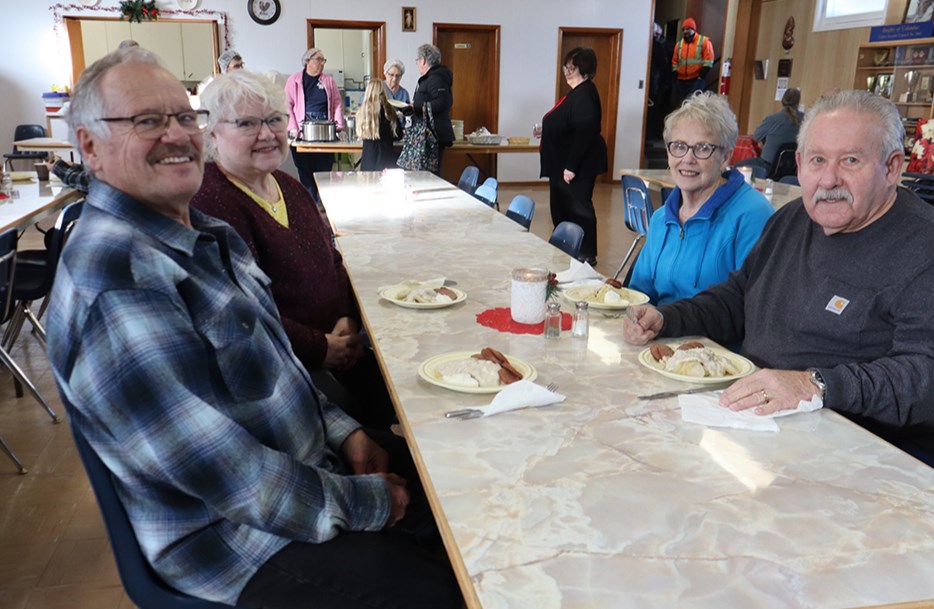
679, 261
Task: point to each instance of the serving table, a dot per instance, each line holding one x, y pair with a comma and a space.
605, 500
35, 202
356, 147
655, 179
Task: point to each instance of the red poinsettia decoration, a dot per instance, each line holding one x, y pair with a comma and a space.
137, 10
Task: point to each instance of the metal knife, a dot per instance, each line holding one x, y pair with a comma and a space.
671, 394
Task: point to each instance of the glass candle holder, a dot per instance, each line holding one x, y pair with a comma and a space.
528, 295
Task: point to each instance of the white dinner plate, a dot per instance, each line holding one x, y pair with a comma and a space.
395, 103
745, 366
587, 292
461, 297
23, 176
429, 371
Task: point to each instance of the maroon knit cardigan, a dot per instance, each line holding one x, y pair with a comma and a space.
309, 282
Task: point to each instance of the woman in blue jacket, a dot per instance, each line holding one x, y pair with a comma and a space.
712, 219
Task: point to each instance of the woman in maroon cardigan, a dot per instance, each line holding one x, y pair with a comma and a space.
248, 140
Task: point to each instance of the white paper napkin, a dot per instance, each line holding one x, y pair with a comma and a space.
578, 271
521, 394
705, 409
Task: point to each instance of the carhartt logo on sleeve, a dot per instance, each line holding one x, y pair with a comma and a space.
837, 304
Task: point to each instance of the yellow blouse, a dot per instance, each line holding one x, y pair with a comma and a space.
276, 208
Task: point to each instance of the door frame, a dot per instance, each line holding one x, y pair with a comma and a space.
611, 104
376, 27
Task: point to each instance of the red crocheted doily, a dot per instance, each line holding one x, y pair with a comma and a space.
500, 319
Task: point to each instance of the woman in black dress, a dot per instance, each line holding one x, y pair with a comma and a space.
573, 153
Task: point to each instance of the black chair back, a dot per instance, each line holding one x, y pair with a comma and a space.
921, 184
785, 163
143, 585
7, 272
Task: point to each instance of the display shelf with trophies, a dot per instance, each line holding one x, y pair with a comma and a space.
902, 71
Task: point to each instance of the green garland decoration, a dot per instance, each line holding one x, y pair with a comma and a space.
138, 10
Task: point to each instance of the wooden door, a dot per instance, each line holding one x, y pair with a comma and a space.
472, 54
608, 45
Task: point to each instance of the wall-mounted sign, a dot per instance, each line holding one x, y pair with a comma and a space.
461, 45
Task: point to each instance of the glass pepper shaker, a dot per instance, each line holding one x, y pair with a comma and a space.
581, 324
553, 321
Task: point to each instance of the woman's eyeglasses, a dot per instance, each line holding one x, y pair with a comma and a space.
251, 125
701, 151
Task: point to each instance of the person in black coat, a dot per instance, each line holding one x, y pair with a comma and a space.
435, 88
573, 153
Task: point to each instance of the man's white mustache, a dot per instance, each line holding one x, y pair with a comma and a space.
822, 194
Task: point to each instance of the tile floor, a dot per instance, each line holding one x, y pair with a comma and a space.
54, 552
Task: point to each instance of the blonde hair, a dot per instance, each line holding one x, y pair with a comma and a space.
374, 98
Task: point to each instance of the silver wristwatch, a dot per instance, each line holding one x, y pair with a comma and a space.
818, 381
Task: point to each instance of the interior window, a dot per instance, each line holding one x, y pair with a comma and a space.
845, 14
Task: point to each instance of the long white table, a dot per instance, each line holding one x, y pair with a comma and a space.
37, 200
606, 501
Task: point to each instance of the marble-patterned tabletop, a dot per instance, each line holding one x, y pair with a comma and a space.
608, 501
405, 202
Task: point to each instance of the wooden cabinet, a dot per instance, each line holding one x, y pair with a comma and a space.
902, 71
187, 49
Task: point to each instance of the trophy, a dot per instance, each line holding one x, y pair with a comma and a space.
911, 76
870, 83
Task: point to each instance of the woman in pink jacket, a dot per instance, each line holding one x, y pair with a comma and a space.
313, 95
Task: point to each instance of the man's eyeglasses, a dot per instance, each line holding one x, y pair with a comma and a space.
701, 151
251, 125
152, 125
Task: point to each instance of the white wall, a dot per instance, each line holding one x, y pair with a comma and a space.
33, 58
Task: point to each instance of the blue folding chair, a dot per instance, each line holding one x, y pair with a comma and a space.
468, 181
637, 211
521, 209
793, 180
144, 587
486, 194
568, 237
490, 185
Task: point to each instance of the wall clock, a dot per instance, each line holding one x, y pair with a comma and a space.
264, 12
187, 5
90, 3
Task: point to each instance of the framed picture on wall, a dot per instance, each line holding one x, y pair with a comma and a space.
919, 10
408, 18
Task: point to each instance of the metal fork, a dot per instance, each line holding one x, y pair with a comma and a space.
473, 413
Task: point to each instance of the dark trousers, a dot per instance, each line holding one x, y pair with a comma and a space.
402, 568
307, 164
574, 202
686, 88
360, 392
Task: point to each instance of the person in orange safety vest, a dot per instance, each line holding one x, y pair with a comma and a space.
691, 61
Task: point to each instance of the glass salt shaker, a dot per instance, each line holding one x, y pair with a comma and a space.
580, 326
553, 321
769, 189
6, 184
